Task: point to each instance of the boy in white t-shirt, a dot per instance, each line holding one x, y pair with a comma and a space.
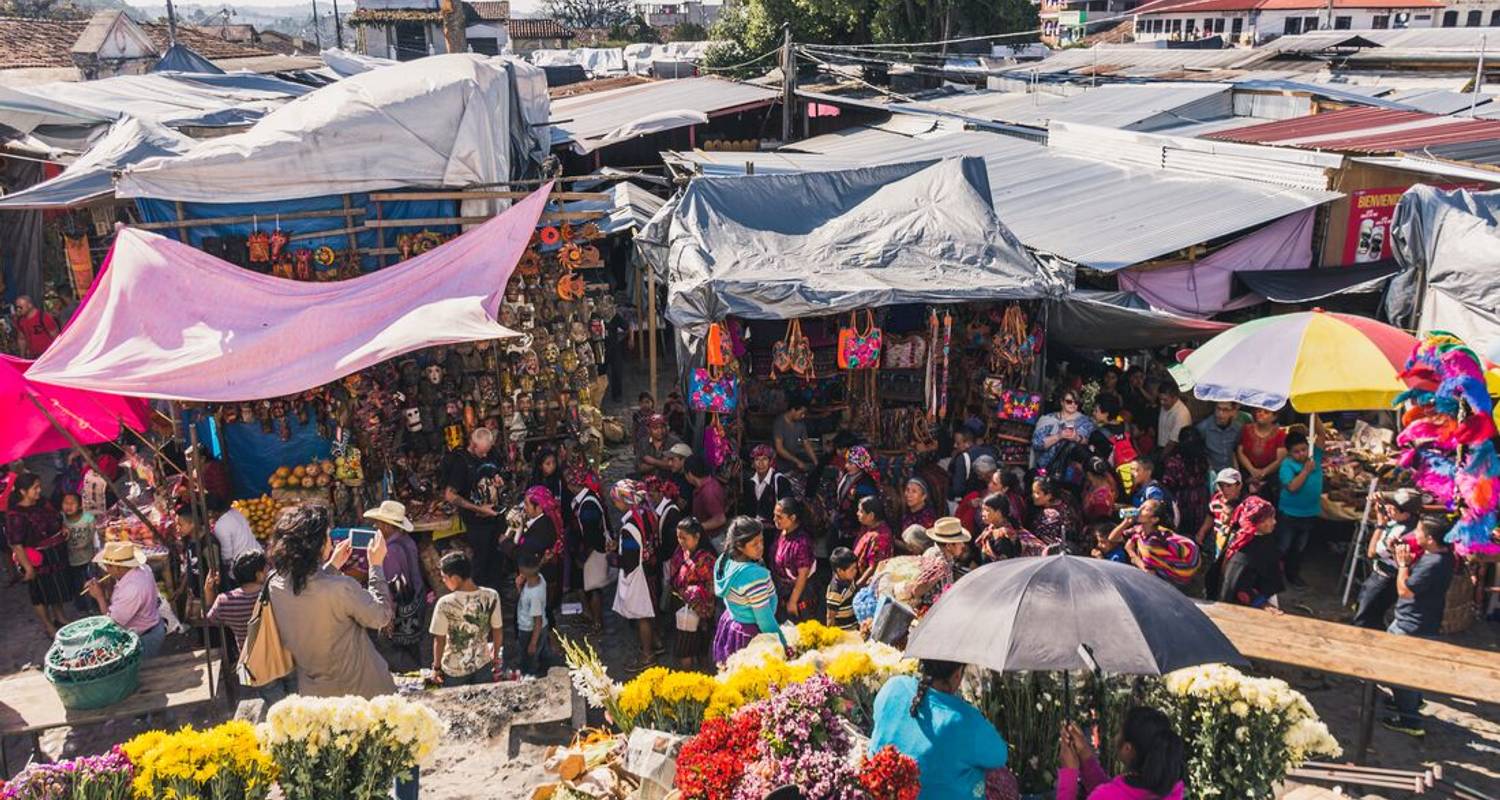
461, 655
531, 613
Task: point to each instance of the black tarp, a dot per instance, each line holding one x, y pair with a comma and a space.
1092, 320
1307, 285
21, 234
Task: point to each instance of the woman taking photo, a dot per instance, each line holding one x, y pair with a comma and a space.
745, 586
1054, 520
926, 720
918, 508
1152, 754
39, 545
793, 565
322, 614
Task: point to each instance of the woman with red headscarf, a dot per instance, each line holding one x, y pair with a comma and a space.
543, 536
1252, 561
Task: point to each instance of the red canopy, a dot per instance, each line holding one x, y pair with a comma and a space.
92, 417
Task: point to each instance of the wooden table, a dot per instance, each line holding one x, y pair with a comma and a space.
1373, 656
29, 705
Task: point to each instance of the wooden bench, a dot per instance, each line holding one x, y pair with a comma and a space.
29, 705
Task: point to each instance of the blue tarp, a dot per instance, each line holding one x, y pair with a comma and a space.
165, 211
252, 454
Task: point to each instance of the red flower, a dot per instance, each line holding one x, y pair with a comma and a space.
889, 775
710, 765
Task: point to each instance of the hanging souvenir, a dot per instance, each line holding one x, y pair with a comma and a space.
591, 257
904, 352
859, 350
258, 245
325, 256
570, 256
566, 232
304, 264
717, 349
530, 264
591, 231
578, 332
793, 355
278, 241
712, 390
550, 235
716, 444
570, 286
80, 261
426, 240
404, 244
942, 409
283, 268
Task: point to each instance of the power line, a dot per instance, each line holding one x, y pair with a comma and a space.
763, 56
880, 89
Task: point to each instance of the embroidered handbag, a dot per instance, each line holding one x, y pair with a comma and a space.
860, 350
716, 446
711, 390
904, 352
793, 354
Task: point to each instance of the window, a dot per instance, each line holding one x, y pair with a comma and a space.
1175, 26
1309, 24
1380, 22
1342, 23
1291, 26
487, 45
1495, 18
1450, 19
1475, 19
1236, 27
411, 41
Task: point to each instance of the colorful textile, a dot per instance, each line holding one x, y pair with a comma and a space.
207, 329
1172, 557
874, 546
1243, 520
692, 579
762, 451
794, 553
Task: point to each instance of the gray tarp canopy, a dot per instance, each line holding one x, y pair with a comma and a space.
92, 174
818, 243
1446, 243
1093, 320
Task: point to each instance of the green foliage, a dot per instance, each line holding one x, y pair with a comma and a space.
687, 32
753, 27
634, 30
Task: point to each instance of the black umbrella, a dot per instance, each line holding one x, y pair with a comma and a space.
1042, 613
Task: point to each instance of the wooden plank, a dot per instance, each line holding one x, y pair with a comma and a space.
240, 220
1422, 664
486, 195
425, 222
350, 229
353, 229
28, 703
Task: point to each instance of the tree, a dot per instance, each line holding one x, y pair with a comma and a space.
687, 32
589, 13
634, 30
42, 9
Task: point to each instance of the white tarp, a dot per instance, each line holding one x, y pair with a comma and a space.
596, 61
169, 99
129, 141
788, 246
440, 121
639, 57
345, 63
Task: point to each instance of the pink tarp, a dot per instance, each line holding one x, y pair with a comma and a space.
170, 321
91, 417
1205, 287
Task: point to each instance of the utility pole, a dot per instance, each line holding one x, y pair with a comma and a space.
1478, 76
338, 29
171, 24
788, 84
317, 25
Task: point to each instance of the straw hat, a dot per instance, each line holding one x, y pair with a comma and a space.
948, 530
391, 513
120, 554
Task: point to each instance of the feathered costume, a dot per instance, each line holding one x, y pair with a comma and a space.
1448, 431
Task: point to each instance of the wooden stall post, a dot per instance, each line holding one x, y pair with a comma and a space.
651, 323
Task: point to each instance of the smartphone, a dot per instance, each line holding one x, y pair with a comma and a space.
359, 538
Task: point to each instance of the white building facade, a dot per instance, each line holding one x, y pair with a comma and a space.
1251, 22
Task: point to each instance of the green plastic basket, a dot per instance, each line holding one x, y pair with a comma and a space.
99, 685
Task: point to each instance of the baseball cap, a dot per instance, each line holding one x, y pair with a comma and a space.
1408, 500
1228, 475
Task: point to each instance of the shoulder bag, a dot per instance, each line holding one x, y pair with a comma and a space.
860, 350
265, 658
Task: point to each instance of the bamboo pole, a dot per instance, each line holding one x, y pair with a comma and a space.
89, 458
651, 323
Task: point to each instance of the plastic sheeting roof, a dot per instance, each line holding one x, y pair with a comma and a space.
1141, 107
1085, 319
438, 121
1370, 130
591, 121
172, 99
597, 61
787, 246
92, 175
1099, 212
630, 207
181, 58
1452, 237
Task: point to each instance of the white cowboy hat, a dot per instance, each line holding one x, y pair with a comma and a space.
120, 554
391, 512
948, 530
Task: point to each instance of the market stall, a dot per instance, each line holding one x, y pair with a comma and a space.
877, 295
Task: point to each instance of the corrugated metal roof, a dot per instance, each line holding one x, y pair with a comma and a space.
1141, 61
1141, 107
1439, 101
1370, 130
1411, 38
1103, 214
1432, 166
593, 116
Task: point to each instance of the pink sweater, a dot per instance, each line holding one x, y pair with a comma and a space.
1097, 784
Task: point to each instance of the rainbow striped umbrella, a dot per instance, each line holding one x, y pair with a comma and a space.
1319, 361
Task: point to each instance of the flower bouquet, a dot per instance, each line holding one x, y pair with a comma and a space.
220, 763
1242, 733
347, 747
105, 777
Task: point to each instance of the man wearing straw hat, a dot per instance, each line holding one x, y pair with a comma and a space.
133, 602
